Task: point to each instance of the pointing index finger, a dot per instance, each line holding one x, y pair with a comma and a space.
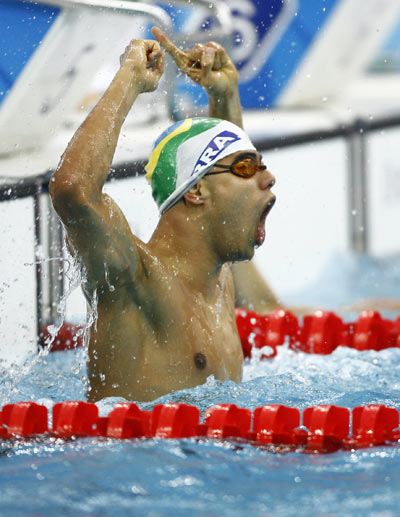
177, 55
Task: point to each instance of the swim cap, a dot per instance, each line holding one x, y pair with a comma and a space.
185, 152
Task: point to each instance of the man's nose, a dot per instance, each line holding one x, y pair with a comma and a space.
266, 179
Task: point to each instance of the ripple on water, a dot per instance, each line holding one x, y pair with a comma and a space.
172, 477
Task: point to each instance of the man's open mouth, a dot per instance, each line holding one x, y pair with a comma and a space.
269, 205
261, 225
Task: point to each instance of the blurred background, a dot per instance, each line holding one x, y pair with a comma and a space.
320, 88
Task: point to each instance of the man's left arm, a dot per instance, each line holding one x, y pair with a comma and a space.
209, 66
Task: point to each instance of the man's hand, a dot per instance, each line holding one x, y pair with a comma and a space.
207, 64
146, 60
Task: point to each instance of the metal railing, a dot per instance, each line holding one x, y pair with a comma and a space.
219, 11
117, 6
37, 186
357, 204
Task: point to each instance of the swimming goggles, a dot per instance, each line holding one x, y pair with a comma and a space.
243, 167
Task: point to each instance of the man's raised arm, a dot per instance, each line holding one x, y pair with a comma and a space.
88, 157
210, 66
96, 229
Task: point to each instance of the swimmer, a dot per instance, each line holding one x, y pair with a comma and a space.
165, 309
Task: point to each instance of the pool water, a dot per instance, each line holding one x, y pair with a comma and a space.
199, 477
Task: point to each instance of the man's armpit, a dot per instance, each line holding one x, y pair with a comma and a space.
101, 239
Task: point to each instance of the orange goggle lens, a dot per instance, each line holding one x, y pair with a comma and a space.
245, 168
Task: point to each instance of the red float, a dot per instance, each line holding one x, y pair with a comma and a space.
68, 337
226, 420
252, 328
320, 333
23, 419
126, 420
275, 424
328, 426
321, 429
175, 421
75, 418
373, 425
282, 325
371, 332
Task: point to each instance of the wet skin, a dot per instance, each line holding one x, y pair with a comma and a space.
165, 310
164, 328
172, 339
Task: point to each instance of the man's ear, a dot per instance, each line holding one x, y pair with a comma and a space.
198, 194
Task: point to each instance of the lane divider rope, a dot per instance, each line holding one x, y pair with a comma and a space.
319, 333
279, 428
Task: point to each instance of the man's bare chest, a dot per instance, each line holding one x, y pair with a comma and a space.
181, 323
171, 340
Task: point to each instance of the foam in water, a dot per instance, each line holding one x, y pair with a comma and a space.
200, 477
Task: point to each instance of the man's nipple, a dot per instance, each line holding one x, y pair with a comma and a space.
200, 361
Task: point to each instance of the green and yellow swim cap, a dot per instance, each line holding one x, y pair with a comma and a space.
184, 153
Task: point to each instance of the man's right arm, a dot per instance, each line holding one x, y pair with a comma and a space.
97, 231
210, 66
